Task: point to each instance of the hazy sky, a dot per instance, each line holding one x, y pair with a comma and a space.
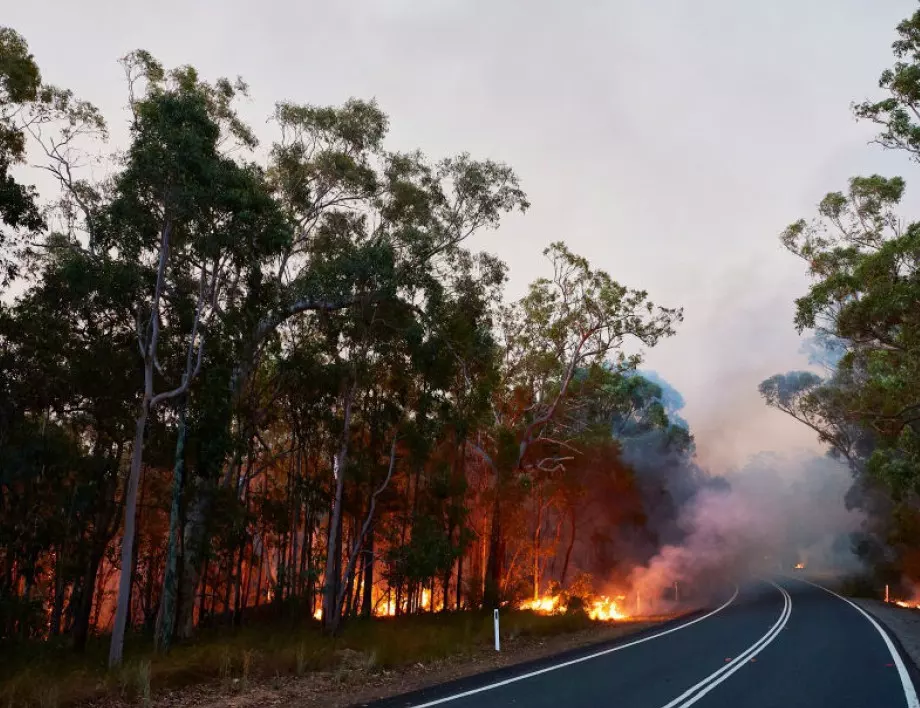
669, 141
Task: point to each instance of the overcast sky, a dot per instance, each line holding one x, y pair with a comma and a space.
668, 141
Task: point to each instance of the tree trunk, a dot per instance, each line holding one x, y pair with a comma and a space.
492, 592
194, 554
460, 581
568, 550
116, 648
57, 607
367, 608
84, 601
333, 552
166, 620
536, 547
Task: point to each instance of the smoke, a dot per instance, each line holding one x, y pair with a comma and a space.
666, 471
777, 511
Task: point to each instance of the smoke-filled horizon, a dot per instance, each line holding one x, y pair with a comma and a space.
779, 510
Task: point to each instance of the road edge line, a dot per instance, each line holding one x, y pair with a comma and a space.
907, 685
577, 660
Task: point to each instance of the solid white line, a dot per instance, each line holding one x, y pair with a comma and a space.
531, 674
717, 677
910, 693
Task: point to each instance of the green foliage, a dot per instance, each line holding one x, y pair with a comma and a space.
19, 84
897, 113
864, 262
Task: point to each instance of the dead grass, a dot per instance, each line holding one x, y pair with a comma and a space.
234, 659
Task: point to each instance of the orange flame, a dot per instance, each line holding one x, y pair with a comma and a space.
602, 607
605, 608
908, 605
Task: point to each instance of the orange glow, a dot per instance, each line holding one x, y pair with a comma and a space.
605, 608
800, 566
546, 605
908, 605
388, 609
318, 613
601, 607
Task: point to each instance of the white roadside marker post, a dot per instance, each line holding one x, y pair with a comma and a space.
497, 642
886, 592
676, 592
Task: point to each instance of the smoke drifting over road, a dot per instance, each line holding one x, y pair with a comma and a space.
775, 512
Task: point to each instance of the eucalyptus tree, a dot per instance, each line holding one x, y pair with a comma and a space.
577, 318
20, 81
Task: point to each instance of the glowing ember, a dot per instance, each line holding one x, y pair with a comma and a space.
799, 566
908, 605
601, 607
318, 613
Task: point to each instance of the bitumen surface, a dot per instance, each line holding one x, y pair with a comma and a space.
783, 643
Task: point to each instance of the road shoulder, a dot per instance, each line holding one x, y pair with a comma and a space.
903, 624
354, 683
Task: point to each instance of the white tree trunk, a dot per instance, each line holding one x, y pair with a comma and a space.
116, 648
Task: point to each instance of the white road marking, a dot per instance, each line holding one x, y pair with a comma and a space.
547, 669
910, 693
696, 692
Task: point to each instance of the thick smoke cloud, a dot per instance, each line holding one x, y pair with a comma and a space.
777, 511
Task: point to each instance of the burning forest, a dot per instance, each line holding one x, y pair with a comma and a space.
336, 421
292, 390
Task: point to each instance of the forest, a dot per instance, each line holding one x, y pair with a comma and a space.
250, 380
241, 380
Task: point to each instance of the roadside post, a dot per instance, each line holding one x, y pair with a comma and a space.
497, 642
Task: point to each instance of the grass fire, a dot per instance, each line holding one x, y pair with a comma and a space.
600, 607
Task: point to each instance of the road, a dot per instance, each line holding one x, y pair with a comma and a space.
772, 644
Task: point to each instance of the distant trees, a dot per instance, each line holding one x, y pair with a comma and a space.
228, 384
864, 261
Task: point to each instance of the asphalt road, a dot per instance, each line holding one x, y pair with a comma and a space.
781, 644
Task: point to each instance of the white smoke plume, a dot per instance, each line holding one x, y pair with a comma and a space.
777, 512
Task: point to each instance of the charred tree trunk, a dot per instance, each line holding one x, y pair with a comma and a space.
194, 556
460, 581
367, 604
492, 591
568, 550
82, 601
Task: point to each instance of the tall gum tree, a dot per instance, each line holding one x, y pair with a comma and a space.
577, 317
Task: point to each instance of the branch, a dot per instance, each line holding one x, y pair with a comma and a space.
267, 324
186, 380
482, 454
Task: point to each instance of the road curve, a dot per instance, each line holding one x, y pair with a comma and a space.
782, 644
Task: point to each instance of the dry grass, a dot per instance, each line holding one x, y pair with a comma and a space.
51, 675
